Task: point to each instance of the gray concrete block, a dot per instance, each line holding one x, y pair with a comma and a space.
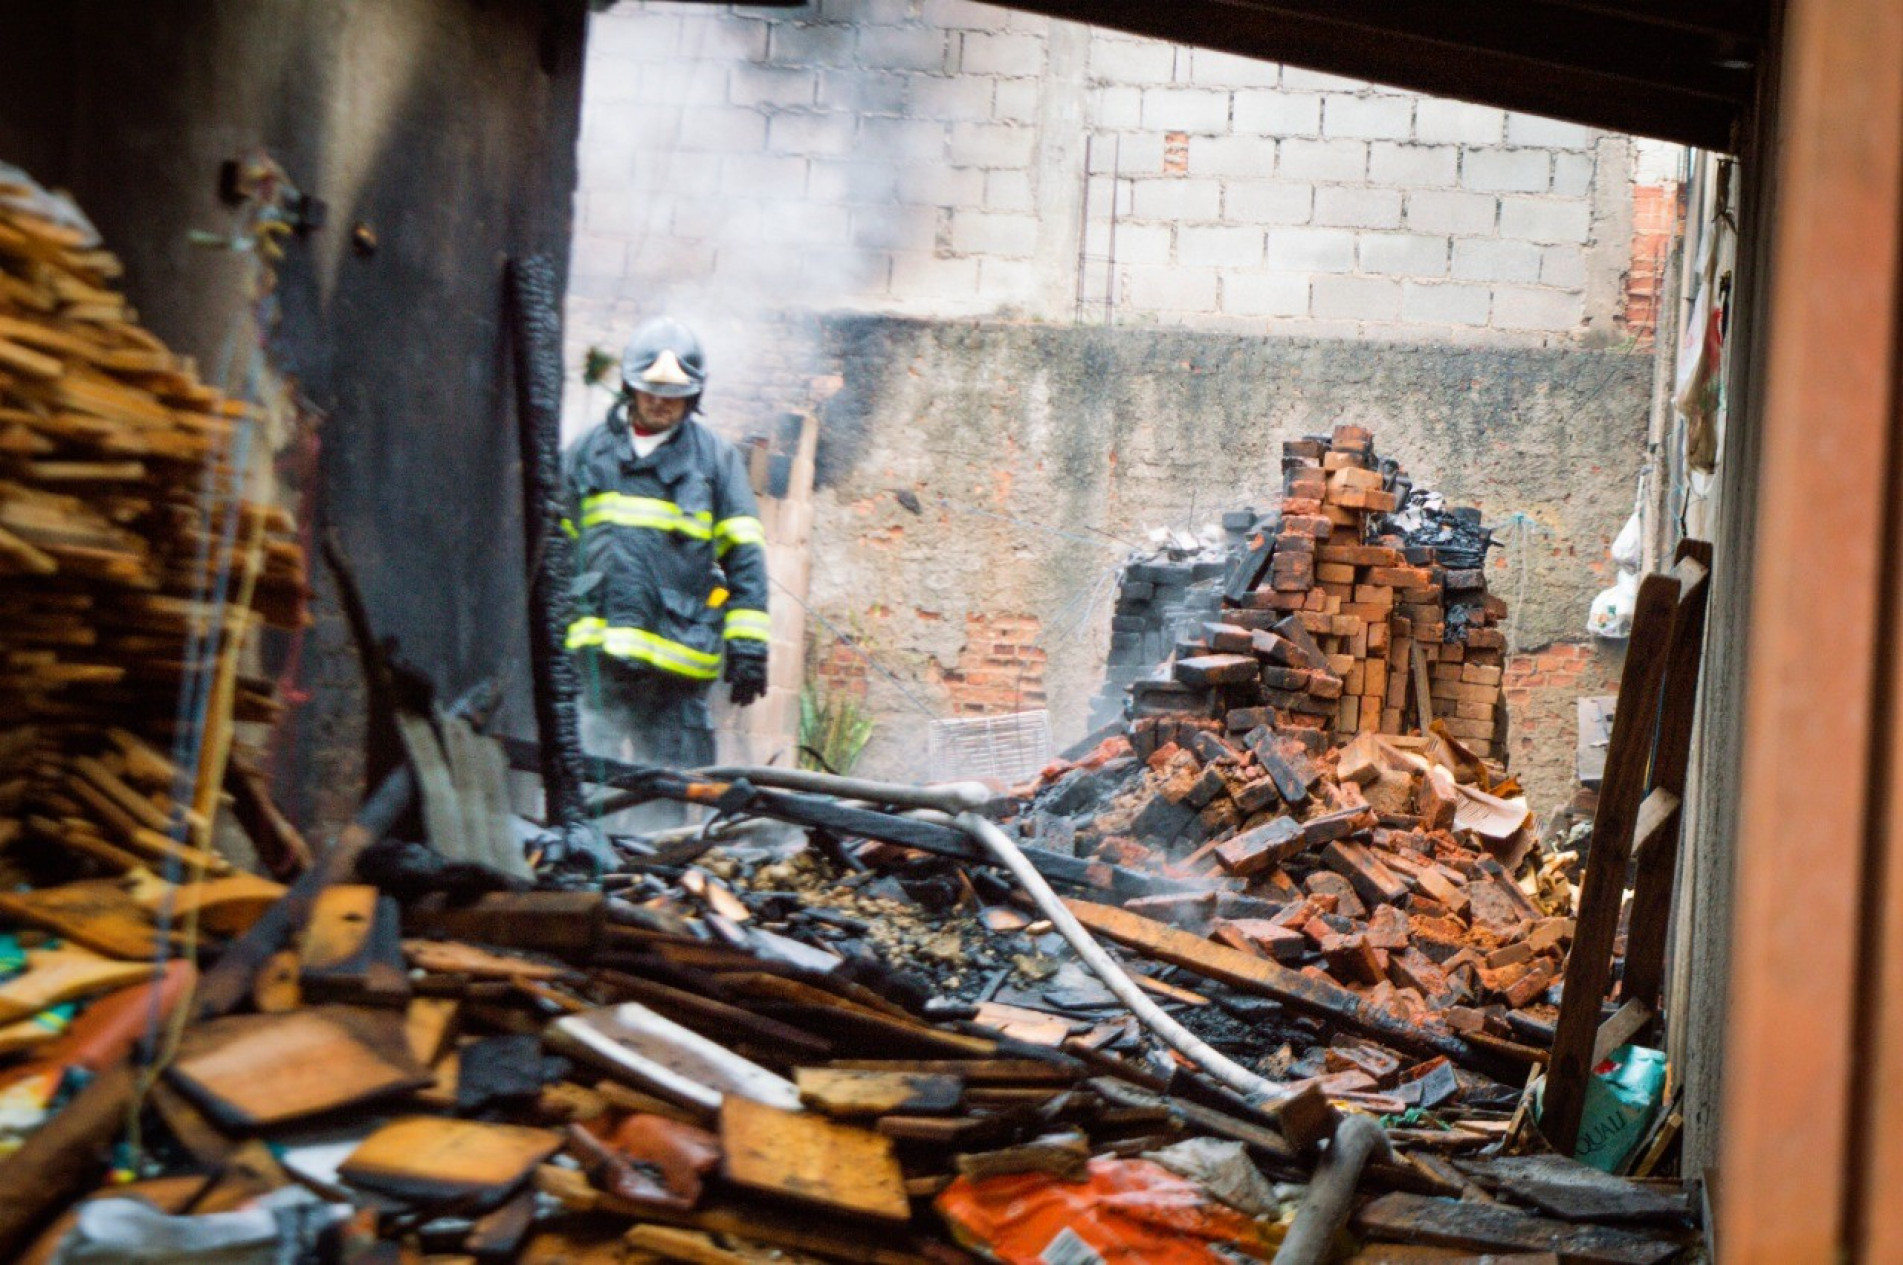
1556, 221
1311, 250
1008, 282
1132, 154
804, 225
1170, 289
852, 180
593, 255
1517, 307
1440, 121
933, 184
1210, 247
1368, 118
1532, 129
1151, 244
867, 12
1323, 159
1402, 254
924, 278
1445, 304
811, 44
762, 175
963, 15
986, 53
1116, 106
1176, 198
1413, 166
1506, 170
1009, 191
1355, 299
1315, 81
1265, 294
1249, 157
1267, 202
993, 233
777, 87
863, 91
1122, 60
1278, 112
1349, 207
903, 140
1563, 267
1201, 110
949, 97
1489, 259
1572, 175
991, 145
1457, 214
895, 228
815, 134
903, 48
1017, 101
1209, 68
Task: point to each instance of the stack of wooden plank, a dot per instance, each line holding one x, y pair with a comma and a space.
131, 572
1337, 623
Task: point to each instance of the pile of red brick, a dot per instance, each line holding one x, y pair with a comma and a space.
1339, 624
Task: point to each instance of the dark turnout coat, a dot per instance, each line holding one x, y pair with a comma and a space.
672, 552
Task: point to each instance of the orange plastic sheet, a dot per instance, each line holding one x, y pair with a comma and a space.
1126, 1212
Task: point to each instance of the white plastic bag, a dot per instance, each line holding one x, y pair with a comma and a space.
1611, 615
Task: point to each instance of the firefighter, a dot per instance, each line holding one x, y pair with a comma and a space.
672, 573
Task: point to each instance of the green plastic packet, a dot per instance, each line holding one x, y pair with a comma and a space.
1622, 1098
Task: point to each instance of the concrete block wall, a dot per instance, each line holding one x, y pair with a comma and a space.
942, 158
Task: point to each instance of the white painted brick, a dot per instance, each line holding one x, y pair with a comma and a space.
632, 32
863, 91
1403, 254
924, 277
1185, 110
938, 185
1551, 220
1413, 166
1445, 304
1267, 202
1132, 154
1324, 160
1437, 120
1212, 69
991, 233
1355, 299
1519, 308
1368, 118
1198, 247
948, 97
1311, 250
1531, 129
1250, 157
903, 140
1265, 294
833, 180
811, 44
1348, 207
1170, 289
869, 12
1177, 198
596, 256
896, 228
991, 145
1012, 281
1117, 107
763, 175
1009, 191
1572, 175
1506, 170
1135, 244
902, 48
1124, 61
1460, 214
1017, 100
1315, 80
747, 38
1008, 55
1276, 112
962, 15
1488, 259
1564, 267
677, 175
704, 219
771, 86
805, 224
840, 270
816, 134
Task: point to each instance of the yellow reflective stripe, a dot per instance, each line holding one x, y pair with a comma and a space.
742, 530
638, 643
616, 510
749, 626
568, 525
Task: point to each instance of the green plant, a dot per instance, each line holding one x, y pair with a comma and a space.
834, 730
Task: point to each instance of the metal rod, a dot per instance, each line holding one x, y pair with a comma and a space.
952, 797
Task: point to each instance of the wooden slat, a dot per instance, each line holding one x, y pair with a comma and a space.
1828, 439
1589, 964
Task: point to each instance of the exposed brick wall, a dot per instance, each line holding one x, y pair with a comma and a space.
837, 669
1542, 689
1657, 219
1001, 668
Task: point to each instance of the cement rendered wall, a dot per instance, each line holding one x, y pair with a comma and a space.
1033, 453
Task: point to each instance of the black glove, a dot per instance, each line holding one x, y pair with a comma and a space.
746, 676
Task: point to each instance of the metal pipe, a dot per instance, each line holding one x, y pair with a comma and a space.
1263, 1093
953, 797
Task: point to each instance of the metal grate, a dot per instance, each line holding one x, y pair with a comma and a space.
1010, 749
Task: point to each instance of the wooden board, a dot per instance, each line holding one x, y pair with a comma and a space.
432, 1158
98, 913
1479, 1227
654, 1053
812, 1159
1575, 1192
61, 975
838, 1092
252, 1071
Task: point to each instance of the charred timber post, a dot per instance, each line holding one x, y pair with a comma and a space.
536, 327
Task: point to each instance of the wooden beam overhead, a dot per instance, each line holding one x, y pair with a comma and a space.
1743, 20
1442, 66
